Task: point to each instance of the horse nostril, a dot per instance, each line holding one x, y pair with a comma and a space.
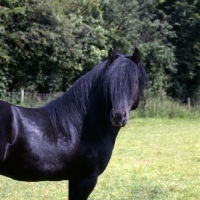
118, 115
118, 118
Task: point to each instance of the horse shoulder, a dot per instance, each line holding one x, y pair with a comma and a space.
22, 120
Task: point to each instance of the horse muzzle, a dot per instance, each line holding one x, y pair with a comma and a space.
118, 118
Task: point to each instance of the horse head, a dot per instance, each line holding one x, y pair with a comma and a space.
124, 85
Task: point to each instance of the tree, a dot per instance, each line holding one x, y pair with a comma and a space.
136, 24
184, 17
88, 32
46, 46
35, 44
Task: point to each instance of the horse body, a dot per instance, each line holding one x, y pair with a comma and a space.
72, 137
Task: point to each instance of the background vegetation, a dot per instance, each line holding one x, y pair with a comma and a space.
45, 45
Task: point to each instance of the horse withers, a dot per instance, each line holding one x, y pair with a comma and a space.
72, 137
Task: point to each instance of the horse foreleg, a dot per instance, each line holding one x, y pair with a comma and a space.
80, 189
4, 140
6, 129
3, 146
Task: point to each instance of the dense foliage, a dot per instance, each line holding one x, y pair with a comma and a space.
47, 45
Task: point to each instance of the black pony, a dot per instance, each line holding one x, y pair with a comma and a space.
72, 137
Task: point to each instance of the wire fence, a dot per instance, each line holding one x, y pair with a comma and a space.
151, 107
28, 99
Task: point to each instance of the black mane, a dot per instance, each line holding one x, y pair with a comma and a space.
94, 87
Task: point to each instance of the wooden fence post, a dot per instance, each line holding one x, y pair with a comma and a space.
22, 95
189, 103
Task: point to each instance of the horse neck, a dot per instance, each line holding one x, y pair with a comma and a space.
84, 107
87, 95
91, 112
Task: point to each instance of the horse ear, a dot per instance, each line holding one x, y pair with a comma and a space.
136, 56
111, 55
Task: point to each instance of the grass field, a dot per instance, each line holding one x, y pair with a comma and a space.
152, 159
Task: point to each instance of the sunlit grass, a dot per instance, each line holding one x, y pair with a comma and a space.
152, 159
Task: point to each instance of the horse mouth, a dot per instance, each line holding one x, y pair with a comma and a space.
119, 125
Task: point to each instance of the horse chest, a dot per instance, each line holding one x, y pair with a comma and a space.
92, 155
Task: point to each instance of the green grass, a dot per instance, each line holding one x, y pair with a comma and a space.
152, 159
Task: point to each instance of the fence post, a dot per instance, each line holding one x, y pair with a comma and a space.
22, 95
189, 103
